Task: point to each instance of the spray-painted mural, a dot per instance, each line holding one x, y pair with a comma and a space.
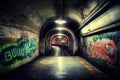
15, 46
104, 48
20, 49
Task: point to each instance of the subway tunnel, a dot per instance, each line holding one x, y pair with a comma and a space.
59, 39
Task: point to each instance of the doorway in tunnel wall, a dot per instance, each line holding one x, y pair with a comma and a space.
104, 49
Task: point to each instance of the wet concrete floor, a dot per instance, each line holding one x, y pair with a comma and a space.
56, 68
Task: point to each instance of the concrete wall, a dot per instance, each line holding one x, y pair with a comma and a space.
100, 41
104, 49
109, 17
17, 47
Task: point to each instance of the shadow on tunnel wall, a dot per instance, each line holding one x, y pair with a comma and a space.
17, 47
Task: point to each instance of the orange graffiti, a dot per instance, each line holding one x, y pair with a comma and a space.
104, 49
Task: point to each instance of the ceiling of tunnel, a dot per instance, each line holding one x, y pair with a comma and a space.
80, 9
38, 11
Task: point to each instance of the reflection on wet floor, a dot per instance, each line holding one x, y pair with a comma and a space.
57, 68
59, 51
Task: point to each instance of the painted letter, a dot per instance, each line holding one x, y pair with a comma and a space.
8, 56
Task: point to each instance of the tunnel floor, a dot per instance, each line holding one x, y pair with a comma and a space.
59, 51
60, 65
56, 68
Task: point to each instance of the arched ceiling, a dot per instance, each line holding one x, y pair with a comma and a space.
33, 13
51, 24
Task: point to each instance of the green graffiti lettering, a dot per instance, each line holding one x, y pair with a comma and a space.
22, 52
28, 51
27, 45
16, 51
13, 53
8, 56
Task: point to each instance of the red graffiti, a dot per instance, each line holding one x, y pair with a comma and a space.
4, 40
104, 49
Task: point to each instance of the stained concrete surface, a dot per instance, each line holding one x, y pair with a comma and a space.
59, 66
56, 68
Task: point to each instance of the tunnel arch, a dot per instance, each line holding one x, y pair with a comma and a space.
73, 45
71, 26
59, 36
50, 24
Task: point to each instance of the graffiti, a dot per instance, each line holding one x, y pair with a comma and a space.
104, 49
15, 33
22, 48
17, 47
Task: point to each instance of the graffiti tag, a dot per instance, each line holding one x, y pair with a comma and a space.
104, 49
22, 49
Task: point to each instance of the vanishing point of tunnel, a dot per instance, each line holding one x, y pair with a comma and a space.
59, 39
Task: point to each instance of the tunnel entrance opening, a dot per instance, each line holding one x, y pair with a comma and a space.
60, 40
60, 33
63, 40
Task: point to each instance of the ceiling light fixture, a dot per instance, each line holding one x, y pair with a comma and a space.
60, 22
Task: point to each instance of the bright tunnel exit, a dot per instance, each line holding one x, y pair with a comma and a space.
62, 38
59, 39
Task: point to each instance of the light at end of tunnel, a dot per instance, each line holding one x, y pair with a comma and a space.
60, 28
59, 36
60, 22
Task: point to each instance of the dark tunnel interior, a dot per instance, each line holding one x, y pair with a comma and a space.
59, 40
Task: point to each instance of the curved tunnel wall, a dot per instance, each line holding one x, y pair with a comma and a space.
101, 40
103, 46
57, 40
72, 39
70, 26
73, 36
17, 47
